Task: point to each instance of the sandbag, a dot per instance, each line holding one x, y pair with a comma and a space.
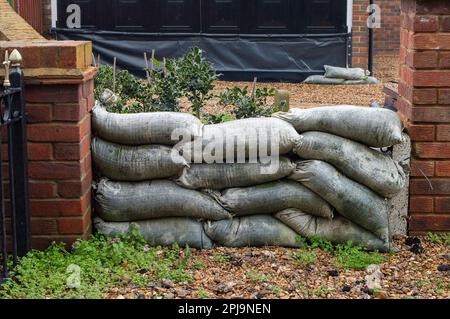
221, 176
320, 79
135, 163
335, 72
375, 127
144, 128
357, 161
352, 200
253, 138
161, 232
121, 201
254, 231
272, 198
338, 231
368, 80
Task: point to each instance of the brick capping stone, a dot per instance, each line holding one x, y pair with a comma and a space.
424, 103
59, 96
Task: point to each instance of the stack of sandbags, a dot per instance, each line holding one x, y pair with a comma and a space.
264, 185
341, 163
337, 75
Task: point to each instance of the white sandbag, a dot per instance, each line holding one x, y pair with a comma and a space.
368, 80
357, 161
375, 127
144, 128
272, 198
235, 141
135, 163
320, 79
352, 200
121, 201
335, 72
338, 231
161, 232
251, 231
221, 176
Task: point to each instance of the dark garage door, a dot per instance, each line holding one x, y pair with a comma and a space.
271, 39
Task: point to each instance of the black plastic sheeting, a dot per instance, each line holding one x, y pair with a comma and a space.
237, 57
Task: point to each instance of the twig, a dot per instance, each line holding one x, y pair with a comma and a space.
114, 74
98, 59
164, 67
147, 72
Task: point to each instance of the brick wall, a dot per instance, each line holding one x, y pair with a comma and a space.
13, 27
387, 38
59, 97
47, 15
425, 104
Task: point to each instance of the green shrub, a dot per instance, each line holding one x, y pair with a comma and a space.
305, 256
196, 77
246, 104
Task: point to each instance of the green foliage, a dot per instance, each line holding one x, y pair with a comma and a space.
257, 277
103, 264
203, 294
196, 77
325, 245
216, 119
354, 257
223, 259
305, 256
439, 238
245, 103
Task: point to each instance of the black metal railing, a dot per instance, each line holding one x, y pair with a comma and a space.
15, 234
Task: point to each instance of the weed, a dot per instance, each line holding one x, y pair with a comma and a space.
439, 238
203, 294
198, 264
276, 290
257, 277
354, 257
305, 256
222, 259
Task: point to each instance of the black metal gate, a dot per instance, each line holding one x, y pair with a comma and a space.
14, 209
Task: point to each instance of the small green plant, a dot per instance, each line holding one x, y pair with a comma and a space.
203, 294
222, 259
276, 290
196, 77
198, 264
216, 119
305, 256
355, 257
325, 245
247, 104
321, 291
257, 277
439, 238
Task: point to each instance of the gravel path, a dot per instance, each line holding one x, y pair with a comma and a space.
272, 273
306, 95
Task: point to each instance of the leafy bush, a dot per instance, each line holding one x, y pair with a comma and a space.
104, 264
196, 77
245, 103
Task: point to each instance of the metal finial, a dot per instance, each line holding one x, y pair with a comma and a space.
6, 65
15, 58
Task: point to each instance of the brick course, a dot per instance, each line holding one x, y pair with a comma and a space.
425, 105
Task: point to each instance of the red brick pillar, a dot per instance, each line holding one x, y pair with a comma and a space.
360, 34
59, 98
425, 104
